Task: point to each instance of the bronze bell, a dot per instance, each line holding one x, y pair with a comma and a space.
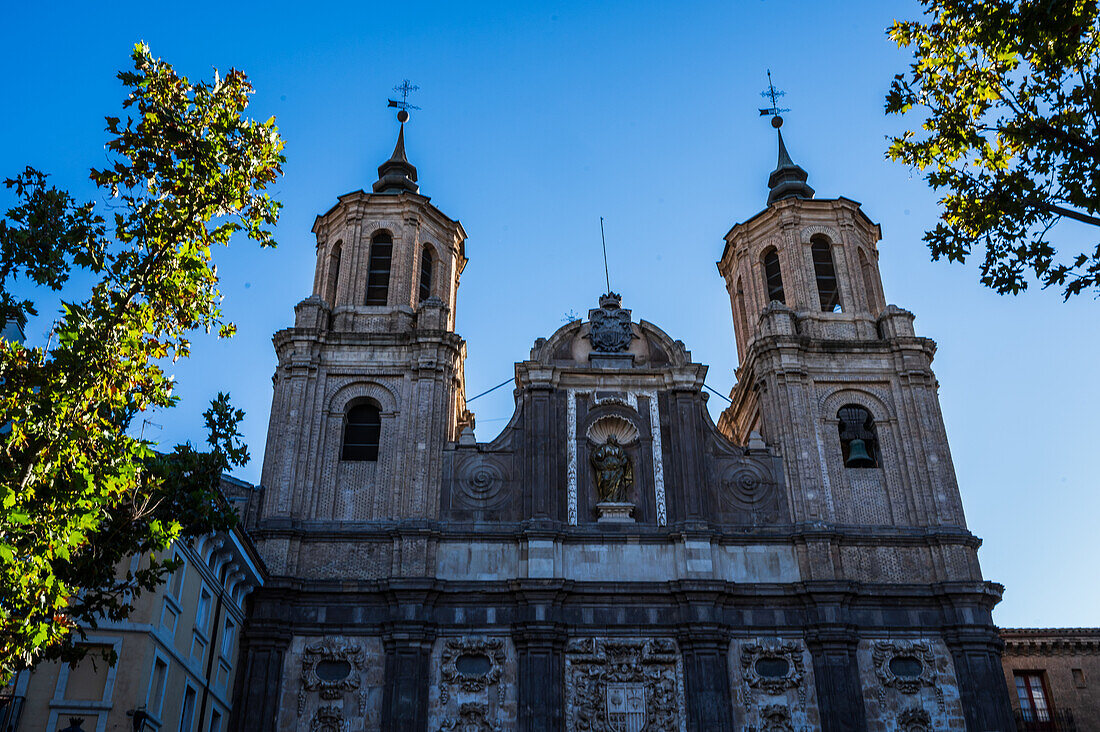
858, 457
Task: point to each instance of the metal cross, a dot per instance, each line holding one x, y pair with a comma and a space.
405, 88
772, 94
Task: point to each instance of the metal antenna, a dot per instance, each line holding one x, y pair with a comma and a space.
405, 88
603, 239
773, 94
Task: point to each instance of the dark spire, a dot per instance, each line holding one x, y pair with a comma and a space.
397, 174
787, 180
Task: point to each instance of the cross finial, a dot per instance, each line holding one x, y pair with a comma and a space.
405, 88
773, 94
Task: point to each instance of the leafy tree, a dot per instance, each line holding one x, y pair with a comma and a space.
1010, 133
187, 170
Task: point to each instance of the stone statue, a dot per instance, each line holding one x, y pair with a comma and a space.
614, 473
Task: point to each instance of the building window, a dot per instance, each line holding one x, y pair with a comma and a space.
362, 433
175, 584
228, 637
215, 721
187, 712
156, 687
1030, 691
825, 272
858, 441
425, 274
333, 274
378, 269
202, 612
773, 276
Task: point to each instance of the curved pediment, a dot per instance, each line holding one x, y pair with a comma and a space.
609, 338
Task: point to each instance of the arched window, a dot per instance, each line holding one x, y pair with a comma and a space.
858, 441
825, 272
333, 274
362, 431
426, 274
773, 276
378, 269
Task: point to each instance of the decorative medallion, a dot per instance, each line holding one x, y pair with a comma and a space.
624, 684
747, 487
609, 326
904, 665
330, 668
471, 664
772, 668
480, 483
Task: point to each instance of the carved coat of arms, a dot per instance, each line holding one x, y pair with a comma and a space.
626, 707
609, 326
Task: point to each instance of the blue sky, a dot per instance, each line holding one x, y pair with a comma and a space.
540, 118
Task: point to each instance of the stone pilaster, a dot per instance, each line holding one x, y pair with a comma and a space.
977, 656
258, 682
836, 673
705, 650
408, 649
539, 652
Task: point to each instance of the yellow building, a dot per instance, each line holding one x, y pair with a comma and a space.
177, 652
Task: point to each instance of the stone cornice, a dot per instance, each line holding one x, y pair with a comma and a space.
1051, 641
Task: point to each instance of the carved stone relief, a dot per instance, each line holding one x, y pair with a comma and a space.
774, 686
473, 685
330, 681
746, 489
609, 329
909, 685
480, 483
624, 685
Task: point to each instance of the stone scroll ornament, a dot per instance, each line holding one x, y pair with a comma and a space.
472, 717
488, 651
914, 719
329, 719
896, 665
609, 326
783, 653
624, 685
907, 666
340, 665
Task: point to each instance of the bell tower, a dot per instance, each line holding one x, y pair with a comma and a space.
841, 388
369, 382
828, 373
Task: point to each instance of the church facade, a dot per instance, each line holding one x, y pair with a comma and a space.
613, 560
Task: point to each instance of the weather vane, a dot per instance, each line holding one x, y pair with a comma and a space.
405, 88
773, 94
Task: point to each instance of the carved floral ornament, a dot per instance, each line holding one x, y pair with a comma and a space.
904, 665
472, 665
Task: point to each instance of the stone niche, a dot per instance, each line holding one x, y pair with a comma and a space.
909, 685
774, 688
332, 684
624, 685
473, 684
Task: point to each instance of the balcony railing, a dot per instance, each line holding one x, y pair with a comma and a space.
1061, 720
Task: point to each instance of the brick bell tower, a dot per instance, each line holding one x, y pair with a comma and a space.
369, 382
838, 383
